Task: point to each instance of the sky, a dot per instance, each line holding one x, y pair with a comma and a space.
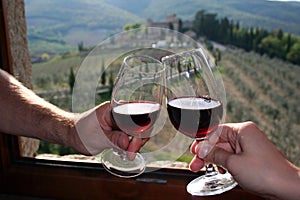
286, 0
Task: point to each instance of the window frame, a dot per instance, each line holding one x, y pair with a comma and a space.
23, 176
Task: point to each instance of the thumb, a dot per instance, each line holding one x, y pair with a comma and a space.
215, 155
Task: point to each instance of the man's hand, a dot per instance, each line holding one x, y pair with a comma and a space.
97, 131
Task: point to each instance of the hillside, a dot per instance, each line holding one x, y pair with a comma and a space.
253, 13
61, 25
258, 88
265, 91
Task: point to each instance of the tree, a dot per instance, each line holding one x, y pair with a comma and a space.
294, 55
180, 29
111, 82
171, 27
80, 46
206, 24
103, 75
279, 34
71, 79
288, 44
45, 56
224, 30
128, 27
271, 46
198, 22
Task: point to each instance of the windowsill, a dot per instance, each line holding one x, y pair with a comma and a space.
57, 179
92, 159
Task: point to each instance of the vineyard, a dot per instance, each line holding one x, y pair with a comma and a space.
258, 88
267, 92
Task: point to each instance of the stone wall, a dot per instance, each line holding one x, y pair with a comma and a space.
15, 10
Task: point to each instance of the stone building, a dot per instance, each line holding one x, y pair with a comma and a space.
170, 22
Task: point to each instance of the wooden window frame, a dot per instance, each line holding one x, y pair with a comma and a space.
30, 177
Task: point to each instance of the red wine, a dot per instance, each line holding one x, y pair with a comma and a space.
136, 117
195, 116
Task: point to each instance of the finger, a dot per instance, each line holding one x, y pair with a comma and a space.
119, 139
221, 169
144, 141
219, 156
229, 132
193, 148
105, 117
203, 148
134, 146
196, 164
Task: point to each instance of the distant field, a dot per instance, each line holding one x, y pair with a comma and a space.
258, 88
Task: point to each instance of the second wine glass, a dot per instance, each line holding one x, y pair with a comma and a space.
136, 102
196, 106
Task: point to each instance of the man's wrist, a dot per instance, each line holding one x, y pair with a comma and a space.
72, 138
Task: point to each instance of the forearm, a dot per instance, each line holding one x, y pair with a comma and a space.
289, 187
24, 113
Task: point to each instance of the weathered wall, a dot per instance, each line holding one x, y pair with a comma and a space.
20, 57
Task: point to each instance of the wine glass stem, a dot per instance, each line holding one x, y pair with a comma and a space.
122, 154
210, 170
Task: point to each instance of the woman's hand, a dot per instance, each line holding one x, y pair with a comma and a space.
252, 159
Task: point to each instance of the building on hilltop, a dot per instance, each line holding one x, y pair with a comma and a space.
174, 23
171, 22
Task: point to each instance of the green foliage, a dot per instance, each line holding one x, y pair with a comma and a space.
57, 149
274, 44
128, 27
54, 74
294, 54
185, 158
37, 46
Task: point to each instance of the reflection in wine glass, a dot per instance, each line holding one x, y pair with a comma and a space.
196, 105
136, 102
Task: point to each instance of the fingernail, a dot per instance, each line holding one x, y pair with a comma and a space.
131, 155
204, 149
193, 169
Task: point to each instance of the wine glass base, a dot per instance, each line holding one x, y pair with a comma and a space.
120, 166
207, 185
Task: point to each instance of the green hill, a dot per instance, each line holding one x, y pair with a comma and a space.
56, 25
60, 25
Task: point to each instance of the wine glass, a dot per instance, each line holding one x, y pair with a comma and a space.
136, 103
196, 106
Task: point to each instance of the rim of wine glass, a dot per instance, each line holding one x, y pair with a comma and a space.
148, 57
189, 52
200, 50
